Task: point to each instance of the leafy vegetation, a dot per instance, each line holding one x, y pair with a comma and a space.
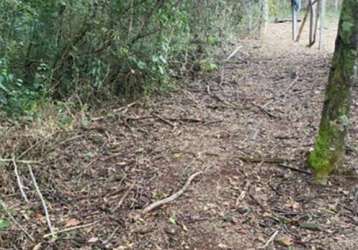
90, 51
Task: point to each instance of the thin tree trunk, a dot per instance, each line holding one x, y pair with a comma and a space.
312, 15
328, 154
336, 4
249, 7
322, 16
266, 15
294, 22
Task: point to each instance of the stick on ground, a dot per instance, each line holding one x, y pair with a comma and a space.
123, 198
269, 240
233, 53
69, 229
52, 232
19, 182
172, 197
19, 161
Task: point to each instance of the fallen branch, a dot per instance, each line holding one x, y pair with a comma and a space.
281, 162
282, 165
19, 182
52, 232
169, 120
269, 240
164, 120
172, 197
263, 110
105, 242
213, 122
193, 120
123, 109
20, 161
123, 198
233, 53
292, 83
34, 145
265, 160
243, 193
69, 229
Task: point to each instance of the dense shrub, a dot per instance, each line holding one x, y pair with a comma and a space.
94, 50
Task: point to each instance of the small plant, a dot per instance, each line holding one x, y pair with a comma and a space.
15, 97
4, 224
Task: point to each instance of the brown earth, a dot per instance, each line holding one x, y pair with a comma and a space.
248, 128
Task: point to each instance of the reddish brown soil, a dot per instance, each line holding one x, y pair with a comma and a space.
247, 127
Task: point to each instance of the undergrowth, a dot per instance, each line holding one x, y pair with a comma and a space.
90, 52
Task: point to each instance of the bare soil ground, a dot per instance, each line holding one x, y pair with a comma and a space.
248, 128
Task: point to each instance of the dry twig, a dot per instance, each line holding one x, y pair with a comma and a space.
69, 229
19, 182
164, 120
266, 160
292, 83
280, 162
263, 110
123, 109
19, 161
172, 197
269, 240
111, 235
123, 198
233, 53
52, 232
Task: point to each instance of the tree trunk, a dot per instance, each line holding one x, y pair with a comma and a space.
312, 22
294, 20
265, 15
336, 4
328, 154
322, 16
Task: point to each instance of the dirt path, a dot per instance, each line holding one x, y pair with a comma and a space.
248, 128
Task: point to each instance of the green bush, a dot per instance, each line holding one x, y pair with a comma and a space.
95, 50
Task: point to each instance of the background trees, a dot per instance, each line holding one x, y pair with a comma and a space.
89, 51
94, 50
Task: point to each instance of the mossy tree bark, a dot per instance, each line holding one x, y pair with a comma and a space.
329, 150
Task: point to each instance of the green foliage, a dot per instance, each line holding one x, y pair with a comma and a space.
94, 50
208, 66
273, 8
279, 8
15, 98
4, 224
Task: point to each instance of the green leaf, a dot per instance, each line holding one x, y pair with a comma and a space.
4, 224
141, 65
2, 79
173, 220
162, 59
161, 70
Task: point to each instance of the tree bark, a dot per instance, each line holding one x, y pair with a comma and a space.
328, 154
